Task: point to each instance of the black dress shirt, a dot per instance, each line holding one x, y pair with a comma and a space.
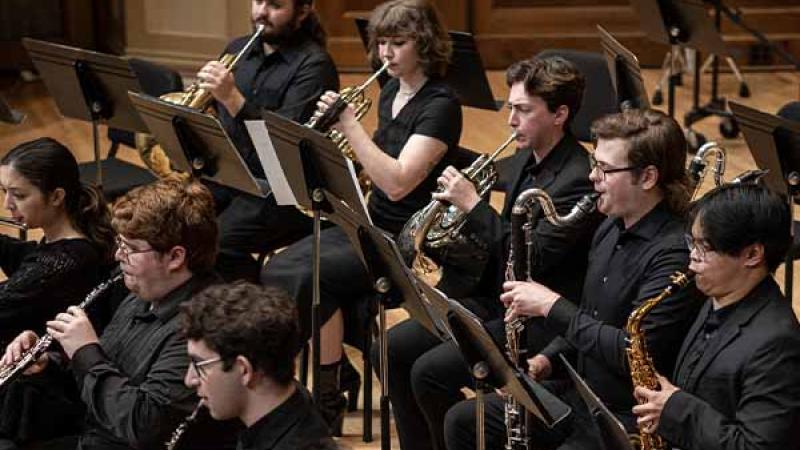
434, 112
288, 81
294, 425
132, 381
713, 321
626, 267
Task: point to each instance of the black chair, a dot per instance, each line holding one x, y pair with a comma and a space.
120, 176
599, 99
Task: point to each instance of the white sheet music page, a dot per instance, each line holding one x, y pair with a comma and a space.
363, 204
270, 162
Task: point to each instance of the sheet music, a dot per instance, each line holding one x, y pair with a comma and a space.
363, 204
269, 161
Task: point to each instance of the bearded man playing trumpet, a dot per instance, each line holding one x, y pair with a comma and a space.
638, 170
426, 374
286, 73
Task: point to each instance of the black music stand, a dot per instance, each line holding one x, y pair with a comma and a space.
9, 115
623, 66
679, 23
492, 368
611, 429
196, 143
770, 138
93, 87
465, 73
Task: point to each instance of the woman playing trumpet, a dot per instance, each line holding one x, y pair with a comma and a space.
42, 190
419, 123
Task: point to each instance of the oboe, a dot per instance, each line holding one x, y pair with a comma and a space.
12, 371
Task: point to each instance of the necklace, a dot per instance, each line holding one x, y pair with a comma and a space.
411, 92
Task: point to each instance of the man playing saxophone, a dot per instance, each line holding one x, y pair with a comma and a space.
638, 170
735, 379
427, 375
124, 389
286, 73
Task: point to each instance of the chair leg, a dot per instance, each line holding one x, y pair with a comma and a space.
367, 394
788, 274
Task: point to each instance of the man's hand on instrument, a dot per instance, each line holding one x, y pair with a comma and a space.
539, 367
18, 347
527, 299
217, 79
457, 190
73, 330
651, 404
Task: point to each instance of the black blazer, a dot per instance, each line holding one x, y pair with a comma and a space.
745, 391
561, 253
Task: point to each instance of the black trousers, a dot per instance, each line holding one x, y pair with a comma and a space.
250, 224
577, 432
343, 278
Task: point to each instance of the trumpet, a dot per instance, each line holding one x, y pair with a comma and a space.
10, 372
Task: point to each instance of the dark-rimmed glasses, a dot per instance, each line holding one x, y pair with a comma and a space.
700, 245
199, 366
606, 170
126, 249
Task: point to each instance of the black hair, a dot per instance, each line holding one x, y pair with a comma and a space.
49, 165
734, 216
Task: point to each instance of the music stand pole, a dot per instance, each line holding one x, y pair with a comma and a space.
382, 287
317, 197
480, 371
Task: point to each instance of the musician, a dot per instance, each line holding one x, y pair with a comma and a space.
735, 383
242, 343
286, 74
42, 189
419, 125
638, 170
427, 375
129, 381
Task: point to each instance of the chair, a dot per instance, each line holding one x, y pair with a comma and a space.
599, 99
791, 149
120, 176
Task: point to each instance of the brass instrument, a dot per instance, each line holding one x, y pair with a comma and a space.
518, 267
10, 372
697, 168
176, 435
438, 224
643, 372
196, 98
351, 95
193, 97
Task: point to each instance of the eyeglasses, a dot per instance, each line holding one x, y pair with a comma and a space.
606, 170
126, 249
199, 366
701, 246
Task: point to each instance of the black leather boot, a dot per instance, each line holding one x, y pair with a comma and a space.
350, 383
332, 403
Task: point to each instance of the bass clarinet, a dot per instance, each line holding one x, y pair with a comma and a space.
518, 267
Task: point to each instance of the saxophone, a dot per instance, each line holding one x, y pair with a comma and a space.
437, 225
178, 433
643, 372
10, 372
523, 220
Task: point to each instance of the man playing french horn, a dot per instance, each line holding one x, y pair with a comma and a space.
638, 170
426, 374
